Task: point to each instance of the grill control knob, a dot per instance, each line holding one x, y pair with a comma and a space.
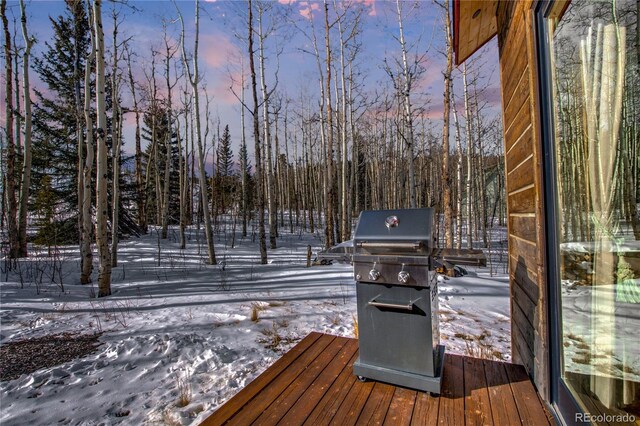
374, 275
403, 277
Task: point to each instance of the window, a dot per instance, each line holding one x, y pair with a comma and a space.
592, 72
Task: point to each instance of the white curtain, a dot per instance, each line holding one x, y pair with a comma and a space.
603, 63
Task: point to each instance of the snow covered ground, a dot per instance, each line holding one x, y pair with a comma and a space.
181, 337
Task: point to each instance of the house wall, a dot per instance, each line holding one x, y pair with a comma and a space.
523, 165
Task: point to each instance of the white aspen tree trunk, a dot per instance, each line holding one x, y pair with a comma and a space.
140, 197
116, 123
320, 204
192, 180
115, 203
17, 119
194, 79
458, 221
306, 201
188, 194
102, 242
469, 180
168, 156
298, 193
329, 227
446, 174
86, 251
26, 162
243, 159
181, 186
483, 198
289, 176
355, 156
345, 230
256, 138
154, 143
338, 158
277, 184
10, 190
408, 110
267, 135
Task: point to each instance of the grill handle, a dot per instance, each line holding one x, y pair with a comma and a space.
390, 245
387, 305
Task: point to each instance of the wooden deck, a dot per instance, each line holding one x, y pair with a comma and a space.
313, 384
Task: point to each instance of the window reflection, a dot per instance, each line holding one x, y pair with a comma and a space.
595, 56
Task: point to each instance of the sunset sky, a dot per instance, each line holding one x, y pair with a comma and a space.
220, 48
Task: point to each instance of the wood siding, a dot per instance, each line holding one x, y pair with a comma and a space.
523, 162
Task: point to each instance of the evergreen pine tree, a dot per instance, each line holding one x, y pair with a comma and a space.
151, 166
246, 199
224, 184
54, 118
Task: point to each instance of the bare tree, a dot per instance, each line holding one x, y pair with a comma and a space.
10, 191
446, 174
140, 195
469, 180
266, 95
87, 220
256, 137
347, 35
26, 152
329, 189
194, 79
182, 166
458, 157
102, 242
243, 158
406, 93
116, 138
77, 63
169, 52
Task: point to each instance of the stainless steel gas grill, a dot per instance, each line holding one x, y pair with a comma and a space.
397, 298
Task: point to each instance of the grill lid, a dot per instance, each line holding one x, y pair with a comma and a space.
397, 231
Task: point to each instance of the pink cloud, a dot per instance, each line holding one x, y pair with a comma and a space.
218, 51
307, 9
221, 56
369, 4
286, 2
221, 90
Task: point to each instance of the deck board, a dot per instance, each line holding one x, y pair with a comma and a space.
451, 410
329, 404
477, 407
526, 397
401, 407
279, 408
225, 412
313, 384
318, 389
375, 410
503, 405
352, 405
254, 408
425, 411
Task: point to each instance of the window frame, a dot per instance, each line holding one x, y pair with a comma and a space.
566, 408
